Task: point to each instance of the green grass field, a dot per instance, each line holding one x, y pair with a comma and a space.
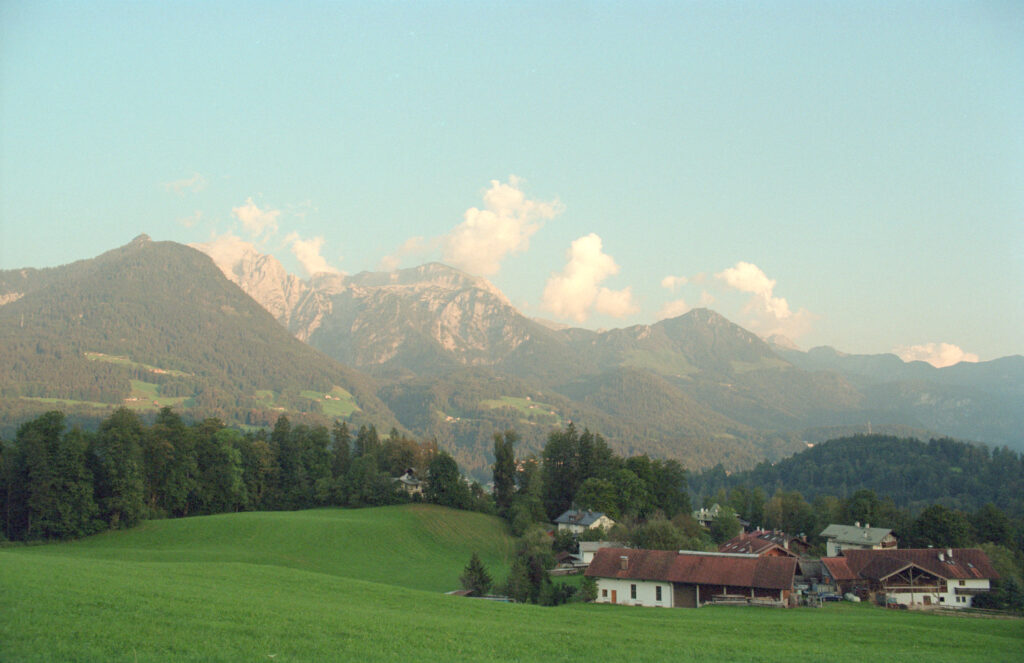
529, 409
366, 585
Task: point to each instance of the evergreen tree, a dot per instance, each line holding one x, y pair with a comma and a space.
504, 470
475, 577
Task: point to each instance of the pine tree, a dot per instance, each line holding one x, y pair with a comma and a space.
475, 577
504, 471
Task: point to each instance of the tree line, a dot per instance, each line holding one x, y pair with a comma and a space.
58, 482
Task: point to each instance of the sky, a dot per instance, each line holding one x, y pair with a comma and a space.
841, 173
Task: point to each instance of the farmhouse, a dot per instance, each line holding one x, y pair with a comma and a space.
666, 578
922, 577
845, 537
589, 548
580, 521
409, 483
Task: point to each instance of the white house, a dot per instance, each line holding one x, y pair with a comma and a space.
579, 521
914, 577
589, 548
669, 578
846, 537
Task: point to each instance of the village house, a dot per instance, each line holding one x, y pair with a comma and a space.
409, 483
668, 578
921, 577
706, 515
589, 548
764, 542
845, 537
580, 521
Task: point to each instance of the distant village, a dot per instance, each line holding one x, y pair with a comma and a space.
773, 568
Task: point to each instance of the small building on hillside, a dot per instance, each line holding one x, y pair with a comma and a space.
577, 521
589, 548
762, 542
667, 578
839, 538
914, 577
409, 483
706, 515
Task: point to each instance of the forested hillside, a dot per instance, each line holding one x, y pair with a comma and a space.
152, 324
912, 473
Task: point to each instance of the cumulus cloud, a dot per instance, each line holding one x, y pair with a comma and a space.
936, 354
673, 309
227, 251
410, 247
766, 313
505, 225
308, 252
255, 220
575, 291
193, 184
673, 282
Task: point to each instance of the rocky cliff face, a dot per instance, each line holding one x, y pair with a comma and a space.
428, 316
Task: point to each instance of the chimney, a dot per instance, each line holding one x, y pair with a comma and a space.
949, 554
623, 562
856, 523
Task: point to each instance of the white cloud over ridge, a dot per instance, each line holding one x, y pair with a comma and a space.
672, 309
504, 226
575, 292
308, 253
766, 313
256, 221
938, 355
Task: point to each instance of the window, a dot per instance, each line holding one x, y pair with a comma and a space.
632, 591
963, 582
657, 593
604, 593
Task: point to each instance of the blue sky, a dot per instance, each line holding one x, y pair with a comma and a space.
847, 174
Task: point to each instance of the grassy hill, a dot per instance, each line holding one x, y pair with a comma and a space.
366, 585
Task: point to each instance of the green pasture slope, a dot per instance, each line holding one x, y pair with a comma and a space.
366, 585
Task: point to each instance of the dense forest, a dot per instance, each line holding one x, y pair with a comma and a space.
912, 473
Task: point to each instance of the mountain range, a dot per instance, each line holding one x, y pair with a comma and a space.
435, 352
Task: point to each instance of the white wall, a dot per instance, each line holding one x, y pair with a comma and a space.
646, 594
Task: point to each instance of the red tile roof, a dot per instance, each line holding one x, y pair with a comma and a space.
757, 543
694, 568
963, 564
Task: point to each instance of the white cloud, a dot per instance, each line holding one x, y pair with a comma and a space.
673, 309
255, 220
747, 277
936, 354
410, 247
575, 291
227, 251
504, 226
308, 253
706, 299
672, 282
766, 313
193, 184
